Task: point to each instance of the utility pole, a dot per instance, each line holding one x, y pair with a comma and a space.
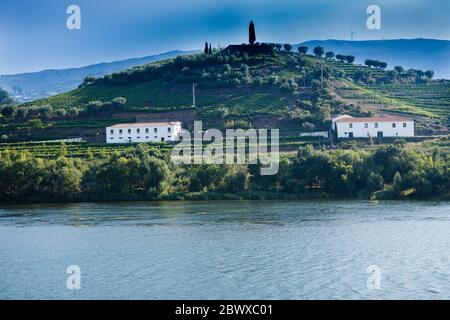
321, 72
330, 134
193, 94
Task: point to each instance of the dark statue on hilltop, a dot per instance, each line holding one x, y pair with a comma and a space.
251, 33
251, 49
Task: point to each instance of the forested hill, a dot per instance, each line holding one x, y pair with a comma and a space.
283, 90
409, 53
35, 85
426, 54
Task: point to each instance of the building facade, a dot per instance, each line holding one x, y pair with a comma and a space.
349, 127
143, 132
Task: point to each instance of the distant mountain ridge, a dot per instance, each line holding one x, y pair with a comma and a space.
35, 85
424, 54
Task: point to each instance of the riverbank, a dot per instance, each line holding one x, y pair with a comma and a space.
143, 174
210, 196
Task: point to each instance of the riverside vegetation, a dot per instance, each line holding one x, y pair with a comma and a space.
145, 172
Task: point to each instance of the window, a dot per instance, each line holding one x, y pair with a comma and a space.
156, 137
155, 130
404, 125
350, 125
112, 138
120, 131
112, 131
120, 138
394, 125
168, 137
138, 137
146, 130
376, 125
366, 125
138, 131
168, 129
147, 137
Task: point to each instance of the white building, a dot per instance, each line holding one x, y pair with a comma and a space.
143, 132
349, 127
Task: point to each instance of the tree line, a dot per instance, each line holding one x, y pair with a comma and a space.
145, 173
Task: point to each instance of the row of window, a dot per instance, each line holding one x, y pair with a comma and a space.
138, 130
366, 125
379, 134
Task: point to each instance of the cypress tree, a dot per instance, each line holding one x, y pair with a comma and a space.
210, 49
251, 33
206, 48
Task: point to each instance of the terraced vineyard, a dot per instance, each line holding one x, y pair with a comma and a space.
432, 97
52, 150
430, 100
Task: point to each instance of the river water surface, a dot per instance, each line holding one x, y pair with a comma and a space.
227, 250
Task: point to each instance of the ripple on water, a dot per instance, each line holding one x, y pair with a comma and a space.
227, 250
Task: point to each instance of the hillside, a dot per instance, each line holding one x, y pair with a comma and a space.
35, 85
282, 90
421, 54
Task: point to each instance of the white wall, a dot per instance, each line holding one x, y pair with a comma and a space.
139, 134
359, 129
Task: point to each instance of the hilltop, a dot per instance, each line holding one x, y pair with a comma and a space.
35, 85
421, 54
283, 90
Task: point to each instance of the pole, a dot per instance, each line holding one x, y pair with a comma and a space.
193, 95
321, 72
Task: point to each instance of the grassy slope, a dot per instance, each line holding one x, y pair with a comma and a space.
247, 99
371, 98
154, 96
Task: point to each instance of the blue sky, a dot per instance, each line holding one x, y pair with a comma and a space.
34, 36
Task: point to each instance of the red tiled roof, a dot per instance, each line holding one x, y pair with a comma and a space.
374, 119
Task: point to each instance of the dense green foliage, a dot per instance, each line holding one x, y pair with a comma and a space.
145, 173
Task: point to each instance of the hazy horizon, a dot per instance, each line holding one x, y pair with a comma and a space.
197, 49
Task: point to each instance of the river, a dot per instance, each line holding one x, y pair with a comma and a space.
227, 250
